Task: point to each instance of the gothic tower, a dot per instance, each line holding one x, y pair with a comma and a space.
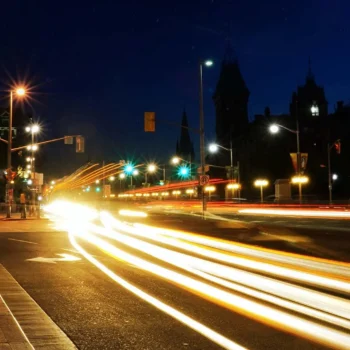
184, 147
231, 101
309, 101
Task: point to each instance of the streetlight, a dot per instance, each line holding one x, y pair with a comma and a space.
300, 180
151, 168
111, 178
20, 92
209, 189
334, 177
233, 187
190, 191
274, 128
121, 177
214, 147
175, 160
261, 183
176, 193
33, 129
207, 63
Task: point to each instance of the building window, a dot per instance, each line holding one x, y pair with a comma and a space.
314, 110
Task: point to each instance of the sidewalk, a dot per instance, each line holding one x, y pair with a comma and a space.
23, 324
11, 334
17, 217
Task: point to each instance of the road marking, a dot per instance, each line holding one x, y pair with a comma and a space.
20, 240
65, 257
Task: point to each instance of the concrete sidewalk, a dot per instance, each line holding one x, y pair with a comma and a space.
11, 334
23, 324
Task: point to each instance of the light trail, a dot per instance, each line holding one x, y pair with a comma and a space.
268, 300
322, 265
181, 317
207, 270
290, 212
273, 317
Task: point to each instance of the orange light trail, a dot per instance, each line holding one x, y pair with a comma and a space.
217, 270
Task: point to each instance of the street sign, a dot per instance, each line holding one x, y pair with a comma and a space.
203, 180
206, 169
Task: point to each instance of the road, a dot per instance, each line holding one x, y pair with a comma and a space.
133, 294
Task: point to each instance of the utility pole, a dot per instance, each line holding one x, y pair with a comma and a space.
329, 147
9, 162
201, 132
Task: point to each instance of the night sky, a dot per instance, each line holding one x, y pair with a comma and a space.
98, 65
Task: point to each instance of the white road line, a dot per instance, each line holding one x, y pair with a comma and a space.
19, 240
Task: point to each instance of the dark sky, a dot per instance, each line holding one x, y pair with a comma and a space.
98, 65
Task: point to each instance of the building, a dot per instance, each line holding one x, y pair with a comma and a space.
184, 146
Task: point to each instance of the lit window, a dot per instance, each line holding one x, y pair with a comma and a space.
314, 110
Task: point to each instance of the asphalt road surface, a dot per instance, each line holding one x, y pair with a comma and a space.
96, 307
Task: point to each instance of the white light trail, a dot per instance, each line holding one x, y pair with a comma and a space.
329, 310
181, 317
274, 317
207, 269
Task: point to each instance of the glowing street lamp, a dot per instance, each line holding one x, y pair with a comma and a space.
97, 182
274, 128
234, 187
135, 172
111, 178
20, 92
122, 176
210, 190
190, 192
213, 148
261, 183
176, 193
335, 177
151, 168
175, 160
300, 180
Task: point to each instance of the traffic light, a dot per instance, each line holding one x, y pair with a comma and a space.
337, 146
150, 121
79, 144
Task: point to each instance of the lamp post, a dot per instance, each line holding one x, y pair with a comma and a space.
261, 183
121, 177
214, 147
151, 168
134, 173
233, 187
274, 128
19, 92
337, 146
33, 129
300, 180
207, 63
209, 189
